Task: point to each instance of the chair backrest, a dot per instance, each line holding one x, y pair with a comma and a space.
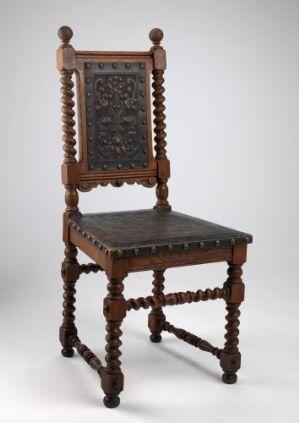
114, 118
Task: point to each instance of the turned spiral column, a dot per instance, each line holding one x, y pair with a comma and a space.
115, 307
156, 318
156, 36
230, 357
70, 267
70, 273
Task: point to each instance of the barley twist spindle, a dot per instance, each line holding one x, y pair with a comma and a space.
156, 36
231, 358
112, 380
156, 317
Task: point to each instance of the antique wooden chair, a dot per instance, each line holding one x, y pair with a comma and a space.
115, 134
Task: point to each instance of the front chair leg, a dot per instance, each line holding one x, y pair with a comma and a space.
230, 357
156, 318
70, 272
115, 307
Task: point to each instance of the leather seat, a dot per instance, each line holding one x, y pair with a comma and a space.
141, 232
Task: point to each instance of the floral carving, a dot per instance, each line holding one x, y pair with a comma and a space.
115, 100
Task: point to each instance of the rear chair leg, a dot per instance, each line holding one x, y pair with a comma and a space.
156, 318
115, 307
230, 357
70, 272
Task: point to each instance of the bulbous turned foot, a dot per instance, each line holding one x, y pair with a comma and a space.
156, 337
111, 401
229, 378
67, 352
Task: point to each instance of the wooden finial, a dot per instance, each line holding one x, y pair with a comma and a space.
156, 36
65, 33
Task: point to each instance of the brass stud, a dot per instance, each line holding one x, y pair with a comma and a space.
136, 251
170, 247
143, 94
114, 65
87, 80
128, 65
153, 249
144, 151
119, 253
143, 108
142, 79
87, 65
105, 166
141, 65
91, 167
88, 94
144, 164
186, 246
232, 241
217, 243
119, 165
89, 124
90, 139
144, 122
144, 137
132, 166
101, 65
89, 109
201, 244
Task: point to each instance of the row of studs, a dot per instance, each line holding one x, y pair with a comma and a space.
153, 249
114, 65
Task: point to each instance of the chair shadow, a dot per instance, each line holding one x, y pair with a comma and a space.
178, 356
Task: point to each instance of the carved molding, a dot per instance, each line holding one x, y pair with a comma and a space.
85, 186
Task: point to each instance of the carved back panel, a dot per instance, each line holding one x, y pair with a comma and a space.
114, 117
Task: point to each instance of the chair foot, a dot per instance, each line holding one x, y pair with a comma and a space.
156, 337
111, 401
67, 352
229, 378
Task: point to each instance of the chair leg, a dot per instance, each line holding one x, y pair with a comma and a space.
156, 318
230, 357
115, 307
70, 272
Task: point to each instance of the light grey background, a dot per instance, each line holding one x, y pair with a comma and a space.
232, 114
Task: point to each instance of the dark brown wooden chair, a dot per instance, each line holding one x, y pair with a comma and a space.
115, 133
